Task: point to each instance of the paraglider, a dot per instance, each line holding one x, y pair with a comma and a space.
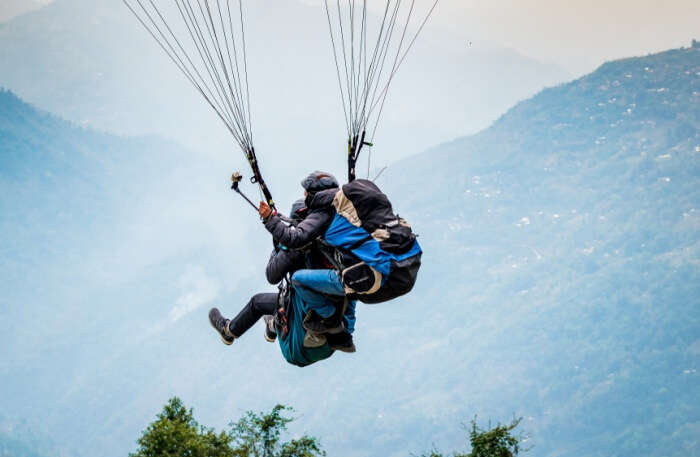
345, 243
287, 312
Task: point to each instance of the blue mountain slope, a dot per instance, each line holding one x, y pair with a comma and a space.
56, 178
69, 266
562, 249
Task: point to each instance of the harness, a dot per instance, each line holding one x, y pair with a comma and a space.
281, 316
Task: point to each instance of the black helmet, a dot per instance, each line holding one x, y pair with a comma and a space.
318, 181
298, 211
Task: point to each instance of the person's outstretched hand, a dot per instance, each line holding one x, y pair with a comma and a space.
264, 210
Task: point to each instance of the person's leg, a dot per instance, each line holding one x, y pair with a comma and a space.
349, 317
315, 301
258, 306
324, 281
311, 284
343, 341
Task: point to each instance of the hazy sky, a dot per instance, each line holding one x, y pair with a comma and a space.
577, 35
12, 8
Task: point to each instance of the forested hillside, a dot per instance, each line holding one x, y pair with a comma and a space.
562, 255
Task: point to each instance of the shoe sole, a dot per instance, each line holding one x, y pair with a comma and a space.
269, 339
227, 343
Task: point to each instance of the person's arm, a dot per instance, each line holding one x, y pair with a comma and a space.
282, 262
295, 237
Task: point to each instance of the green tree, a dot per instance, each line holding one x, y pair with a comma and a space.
259, 435
175, 433
494, 442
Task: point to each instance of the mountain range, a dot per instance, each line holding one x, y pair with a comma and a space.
560, 283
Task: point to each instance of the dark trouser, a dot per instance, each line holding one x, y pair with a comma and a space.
258, 306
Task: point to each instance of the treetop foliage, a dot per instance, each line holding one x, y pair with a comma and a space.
175, 433
494, 442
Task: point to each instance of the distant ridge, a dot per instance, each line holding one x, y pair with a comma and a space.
620, 100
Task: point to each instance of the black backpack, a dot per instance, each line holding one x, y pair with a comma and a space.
375, 250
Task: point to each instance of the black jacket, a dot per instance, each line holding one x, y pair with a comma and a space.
321, 212
282, 262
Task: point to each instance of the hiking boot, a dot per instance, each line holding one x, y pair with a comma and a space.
220, 324
270, 332
314, 323
341, 342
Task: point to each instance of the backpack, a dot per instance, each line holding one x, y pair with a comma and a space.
375, 251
